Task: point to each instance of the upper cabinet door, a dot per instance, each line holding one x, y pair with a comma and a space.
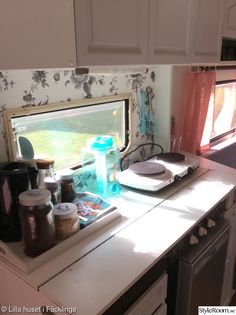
230, 19
169, 25
111, 32
207, 30
37, 34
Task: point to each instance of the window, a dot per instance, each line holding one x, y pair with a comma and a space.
60, 131
221, 115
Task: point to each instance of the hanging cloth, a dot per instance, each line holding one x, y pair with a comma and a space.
143, 129
199, 87
150, 117
147, 116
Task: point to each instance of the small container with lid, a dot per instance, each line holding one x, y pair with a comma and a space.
66, 220
37, 221
68, 193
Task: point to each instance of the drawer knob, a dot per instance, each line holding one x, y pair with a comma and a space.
193, 240
211, 223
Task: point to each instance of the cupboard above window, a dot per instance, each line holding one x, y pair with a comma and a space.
37, 34
74, 33
111, 32
207, 31
229, 30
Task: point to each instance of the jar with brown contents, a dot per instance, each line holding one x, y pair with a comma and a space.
37, 221
68, 192
66, 220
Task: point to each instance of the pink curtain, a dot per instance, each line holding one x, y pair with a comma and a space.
199, 86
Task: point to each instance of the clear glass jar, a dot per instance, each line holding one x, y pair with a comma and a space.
37, 221
66, 220
47, 179
68, 192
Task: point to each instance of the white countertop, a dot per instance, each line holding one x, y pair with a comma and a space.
108, 262
94, 282
132, 206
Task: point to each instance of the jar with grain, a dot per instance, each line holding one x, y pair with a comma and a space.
66, 220
37, 221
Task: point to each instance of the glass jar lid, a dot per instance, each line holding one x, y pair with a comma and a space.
65, 174
65, 210
34, 197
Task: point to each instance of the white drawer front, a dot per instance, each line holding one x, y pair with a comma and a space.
151, 299
162, 310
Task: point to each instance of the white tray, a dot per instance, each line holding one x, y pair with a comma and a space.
13, 253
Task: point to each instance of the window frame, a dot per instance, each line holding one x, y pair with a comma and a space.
57, 107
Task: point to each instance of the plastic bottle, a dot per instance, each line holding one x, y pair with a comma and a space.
102, 158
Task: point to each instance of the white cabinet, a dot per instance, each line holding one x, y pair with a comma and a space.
185, 31
151, 300
111, 32
71, 33
170, 22
37, 34
207, 30
230, 19
162, 310
227, 290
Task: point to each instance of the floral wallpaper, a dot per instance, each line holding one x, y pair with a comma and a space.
26, 88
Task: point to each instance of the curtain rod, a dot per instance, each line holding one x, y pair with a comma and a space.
202, 68
225, 67
208, 68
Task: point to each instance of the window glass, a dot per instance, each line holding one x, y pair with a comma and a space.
60, 135
221, 115
224, 115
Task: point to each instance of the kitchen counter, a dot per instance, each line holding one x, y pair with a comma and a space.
110, 270
94, 273
132, 205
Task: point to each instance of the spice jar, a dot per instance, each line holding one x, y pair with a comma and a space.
68, 193
66, 220
37, 221
47, 179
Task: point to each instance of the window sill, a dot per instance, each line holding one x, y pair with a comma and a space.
223, 152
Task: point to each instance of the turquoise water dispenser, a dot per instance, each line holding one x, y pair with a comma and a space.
100, 163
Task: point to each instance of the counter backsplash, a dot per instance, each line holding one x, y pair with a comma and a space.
25, 88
